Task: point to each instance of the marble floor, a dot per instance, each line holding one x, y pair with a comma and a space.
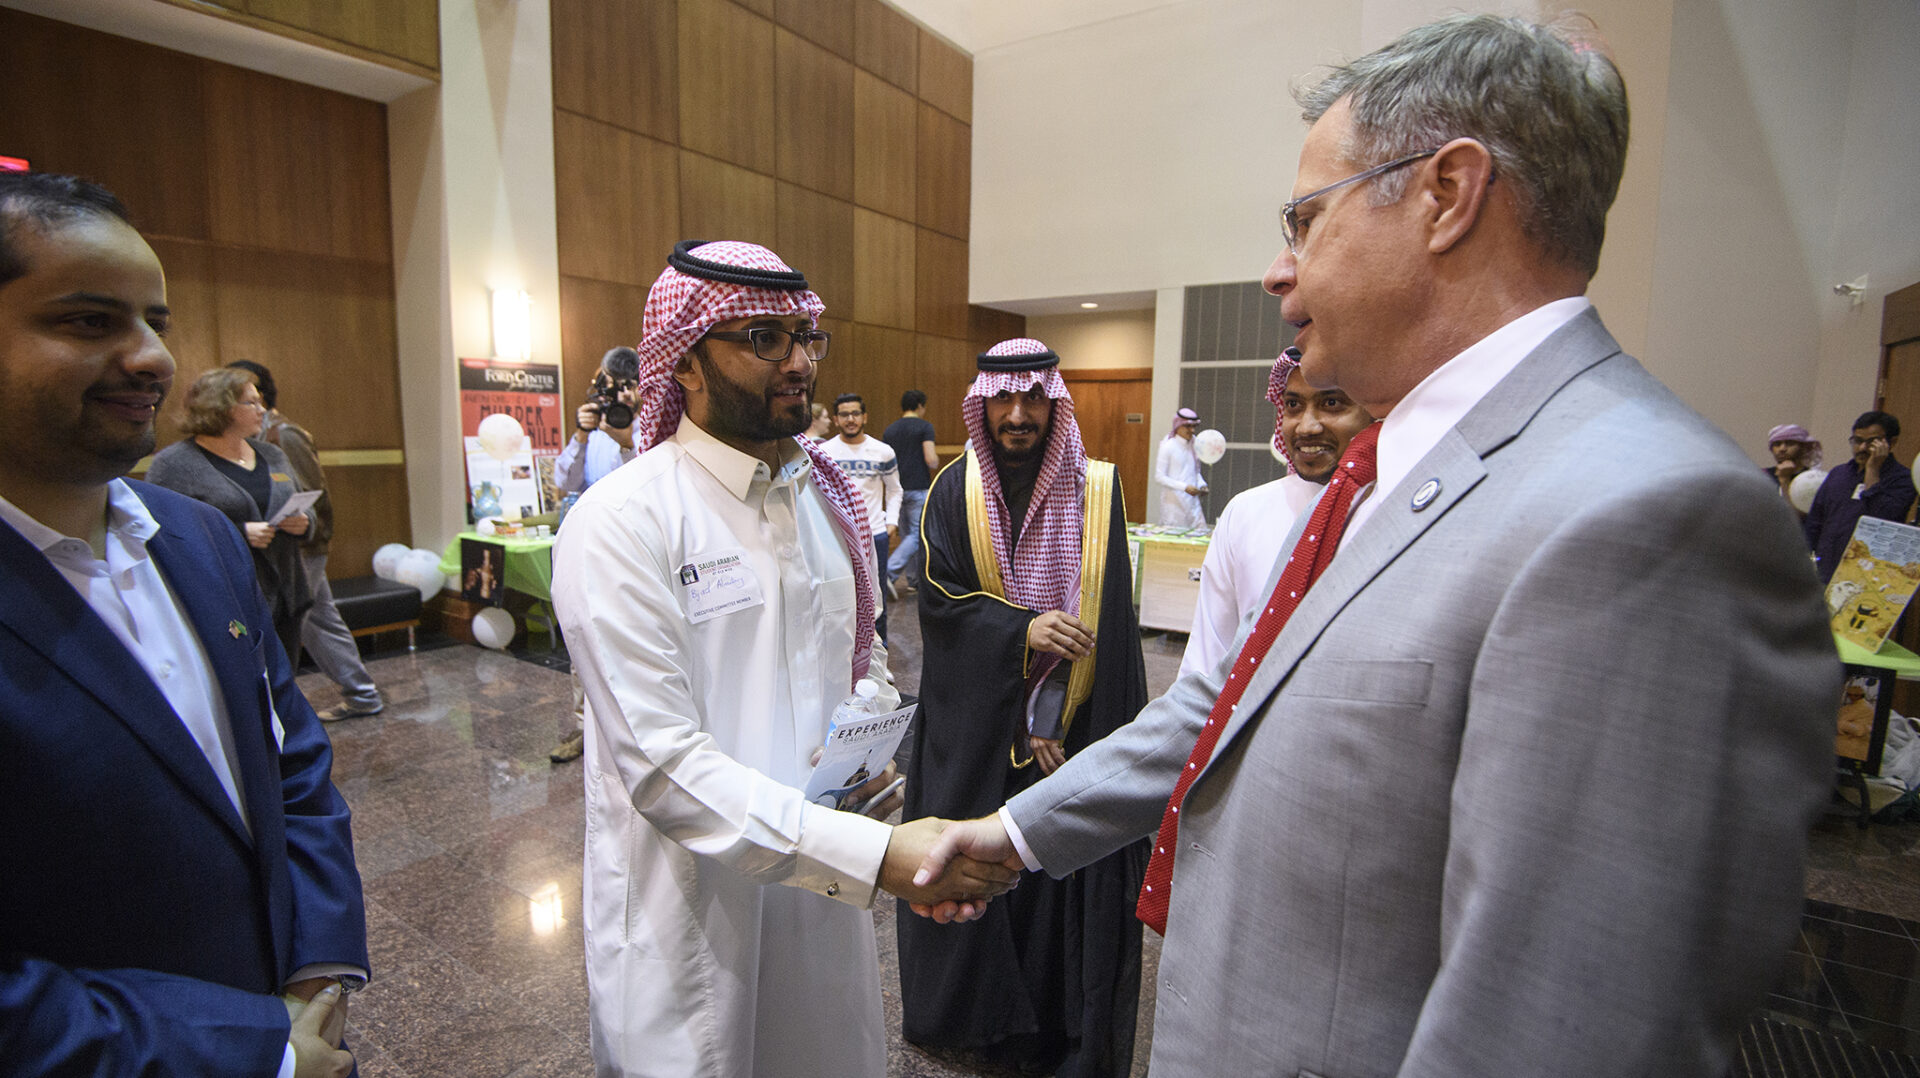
469, 843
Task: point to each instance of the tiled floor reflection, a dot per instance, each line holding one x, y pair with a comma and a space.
469, 842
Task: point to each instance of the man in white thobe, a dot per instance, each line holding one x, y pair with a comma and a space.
718, 599
1176, 471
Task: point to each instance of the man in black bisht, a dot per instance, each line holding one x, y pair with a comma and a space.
1026, 571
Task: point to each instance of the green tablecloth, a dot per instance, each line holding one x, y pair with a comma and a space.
1891, 656
529, 560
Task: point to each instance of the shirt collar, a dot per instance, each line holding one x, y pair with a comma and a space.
1444, 397
735, 470
127, 517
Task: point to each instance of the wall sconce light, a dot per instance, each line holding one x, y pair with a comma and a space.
1089, 306
512, 325
1855, 290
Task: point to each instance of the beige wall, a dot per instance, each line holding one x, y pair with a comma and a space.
1774, 148
1098, 339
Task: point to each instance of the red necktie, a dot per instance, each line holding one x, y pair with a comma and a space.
1310, 557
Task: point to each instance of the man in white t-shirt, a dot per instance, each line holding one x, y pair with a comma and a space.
1311, 430
875, 472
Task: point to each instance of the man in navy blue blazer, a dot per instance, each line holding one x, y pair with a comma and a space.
177, 887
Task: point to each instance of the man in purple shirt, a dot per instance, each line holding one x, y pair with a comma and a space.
1872, 484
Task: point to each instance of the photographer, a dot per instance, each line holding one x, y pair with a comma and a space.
605, 438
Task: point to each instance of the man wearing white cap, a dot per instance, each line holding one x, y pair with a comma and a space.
1177, 472
718, 599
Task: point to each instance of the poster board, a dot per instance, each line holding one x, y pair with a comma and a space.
509, 475
1874, 581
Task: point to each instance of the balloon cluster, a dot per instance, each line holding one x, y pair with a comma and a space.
416, 568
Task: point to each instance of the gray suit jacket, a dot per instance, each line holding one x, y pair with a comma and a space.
1522, 788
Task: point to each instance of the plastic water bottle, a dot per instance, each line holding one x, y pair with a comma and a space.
858, 706
566, 504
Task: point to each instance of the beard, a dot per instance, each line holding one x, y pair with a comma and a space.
1020, 457
750, 415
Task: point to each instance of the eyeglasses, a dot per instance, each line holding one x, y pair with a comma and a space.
775, 345
1295, 230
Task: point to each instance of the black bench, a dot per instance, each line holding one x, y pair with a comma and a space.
369, 605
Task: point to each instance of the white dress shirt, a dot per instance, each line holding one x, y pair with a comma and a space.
709, 606
131, 596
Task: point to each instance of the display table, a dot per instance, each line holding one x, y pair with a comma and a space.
527, 569
1166, 576
1879, 670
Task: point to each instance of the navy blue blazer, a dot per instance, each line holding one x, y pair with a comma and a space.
142, 928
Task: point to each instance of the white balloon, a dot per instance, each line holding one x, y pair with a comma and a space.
1209, 445
485, 526
501, 435
421, 569
386, 560
493, 628
1804, 486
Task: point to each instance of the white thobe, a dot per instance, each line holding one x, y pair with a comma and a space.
709, 610
1247, 539
1175, 469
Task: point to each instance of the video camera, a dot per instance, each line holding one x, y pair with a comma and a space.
619, 371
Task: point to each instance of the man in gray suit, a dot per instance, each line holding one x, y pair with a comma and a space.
1522, 786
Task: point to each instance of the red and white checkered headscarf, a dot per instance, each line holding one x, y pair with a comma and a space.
1043, 571
1283, 368
704, 285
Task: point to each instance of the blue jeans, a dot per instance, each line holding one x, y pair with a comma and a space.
911, 502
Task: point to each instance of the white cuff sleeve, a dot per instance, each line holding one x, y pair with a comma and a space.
1019, 841
286, 1063
840, 854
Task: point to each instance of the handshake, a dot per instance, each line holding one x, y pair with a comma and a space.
949, 870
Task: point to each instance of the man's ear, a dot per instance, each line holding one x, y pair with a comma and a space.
688, 373
1453, 187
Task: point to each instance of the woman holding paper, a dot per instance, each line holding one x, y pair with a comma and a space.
224, 464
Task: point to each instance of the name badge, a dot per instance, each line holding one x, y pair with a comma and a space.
719, 583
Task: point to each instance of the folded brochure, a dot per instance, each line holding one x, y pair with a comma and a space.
856, 751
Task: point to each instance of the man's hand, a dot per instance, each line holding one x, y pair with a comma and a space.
984, 841
873, 786
1059, 633
294, 523
1048, 753
315, 1036
893, 534
1196, 491
1878, 451
587, 418
960, 885
259, 533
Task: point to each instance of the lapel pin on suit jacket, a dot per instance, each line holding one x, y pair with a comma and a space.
235, 629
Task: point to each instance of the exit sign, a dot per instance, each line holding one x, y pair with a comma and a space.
15, 164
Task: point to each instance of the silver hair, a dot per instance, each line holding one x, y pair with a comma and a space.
1546, 102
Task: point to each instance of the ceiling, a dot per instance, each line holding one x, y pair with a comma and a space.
978, 26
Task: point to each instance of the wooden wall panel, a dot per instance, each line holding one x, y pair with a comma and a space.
940, 270
595, 316
883, 278
886, 43
295, 167
618, 61
726, 83
194, 338
325, 327
943, 369
826, 23
885, 147
887, 368
816, 238
110, 109
987, 327
946, 78
618, 197
813, 116
407, 29
719, 201
763, 8
369, 511
944, 173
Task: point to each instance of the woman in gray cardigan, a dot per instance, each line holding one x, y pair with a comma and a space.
224, 464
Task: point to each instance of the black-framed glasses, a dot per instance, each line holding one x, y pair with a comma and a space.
1294, 230
775, 345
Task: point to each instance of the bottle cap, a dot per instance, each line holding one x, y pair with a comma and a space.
867, 689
